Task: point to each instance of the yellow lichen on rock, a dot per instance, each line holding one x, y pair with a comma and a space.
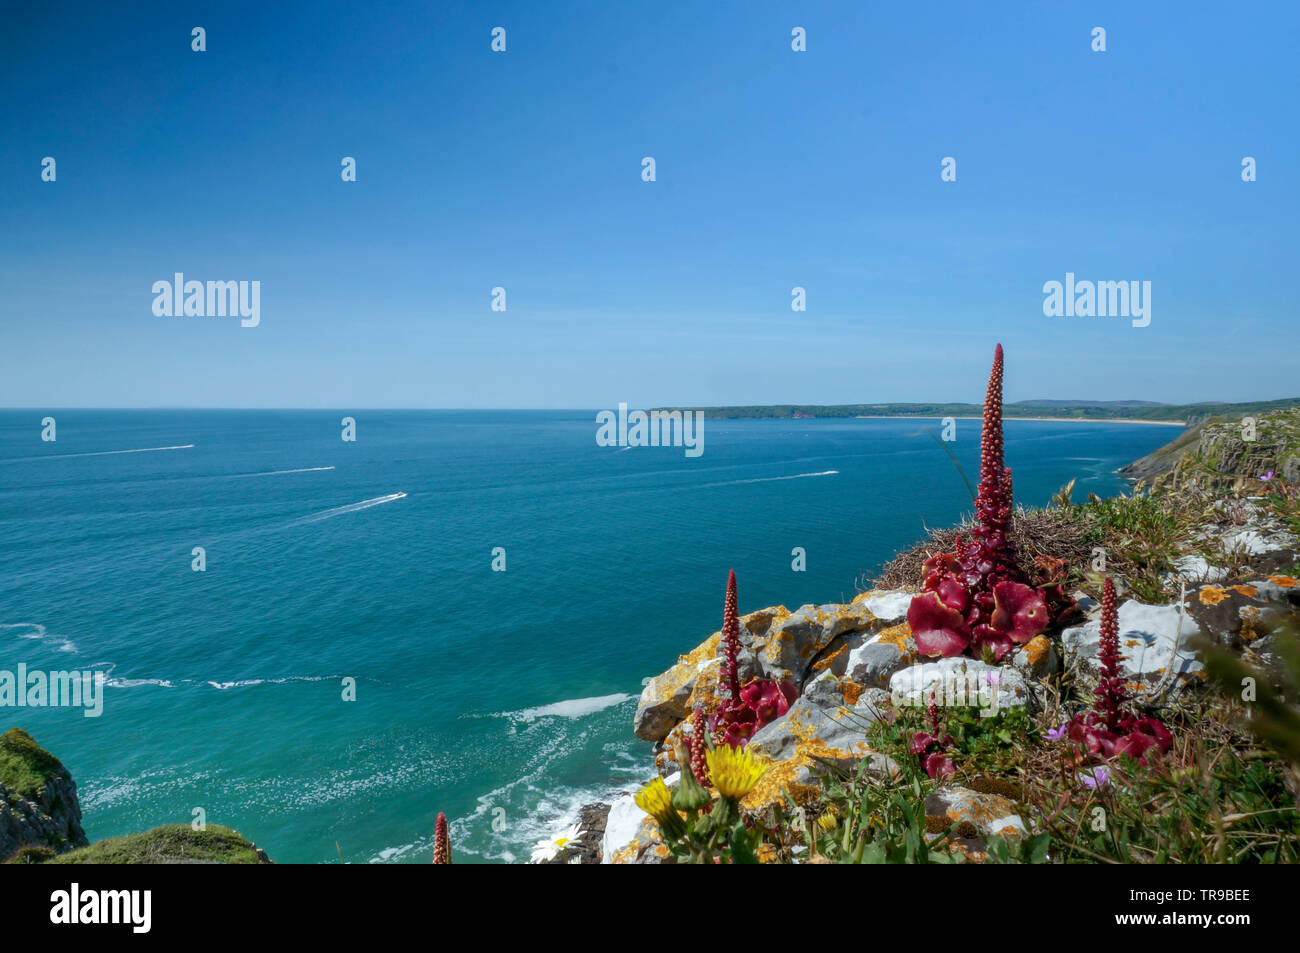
1036, 650
900, 637
647, 837
1212, 595
850, 690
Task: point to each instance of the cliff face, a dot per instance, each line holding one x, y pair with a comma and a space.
38, 798
1219, 452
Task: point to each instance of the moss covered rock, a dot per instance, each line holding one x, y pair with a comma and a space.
172, 844
38, 798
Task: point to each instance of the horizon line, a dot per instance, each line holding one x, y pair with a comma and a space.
1136, 404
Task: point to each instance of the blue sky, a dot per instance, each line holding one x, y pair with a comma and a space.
522, 169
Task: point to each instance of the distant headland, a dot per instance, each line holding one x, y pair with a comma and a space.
1117, 411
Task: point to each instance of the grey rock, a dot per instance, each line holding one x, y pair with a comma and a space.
1148, 636
841, 733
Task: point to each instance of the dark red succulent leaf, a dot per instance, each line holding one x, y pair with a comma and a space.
939, 766
1018, 611
937, 628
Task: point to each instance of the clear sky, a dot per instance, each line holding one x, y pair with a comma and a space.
522, 169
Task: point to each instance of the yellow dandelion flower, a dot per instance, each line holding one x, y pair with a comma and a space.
828, 821
656, 800
734, 771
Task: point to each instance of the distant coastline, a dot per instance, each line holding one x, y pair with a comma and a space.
1061, 411
1062, 420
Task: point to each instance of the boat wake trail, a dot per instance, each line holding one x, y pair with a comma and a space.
241, 476
795, 476
350, 508
97, 453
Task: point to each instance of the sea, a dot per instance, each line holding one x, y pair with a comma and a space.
323, 643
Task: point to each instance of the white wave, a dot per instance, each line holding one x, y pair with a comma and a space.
796, 476
38, 633
102, 453
351, 508
573, 708
538, 807
248, 682
113, 681
138, 682
240, 476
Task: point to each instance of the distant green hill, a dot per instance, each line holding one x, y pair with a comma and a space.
1080, 409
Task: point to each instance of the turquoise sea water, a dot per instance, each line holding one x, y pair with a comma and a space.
502, 698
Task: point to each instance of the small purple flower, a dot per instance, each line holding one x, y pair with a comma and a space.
1094, 778
1056, 734
1267, 476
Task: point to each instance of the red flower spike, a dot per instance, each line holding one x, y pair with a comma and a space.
1109, 730
441, 841
699, 764
1111, 691
975, 599
731, 640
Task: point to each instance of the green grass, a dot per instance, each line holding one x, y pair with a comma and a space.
25, 767
173, 844
1141, 535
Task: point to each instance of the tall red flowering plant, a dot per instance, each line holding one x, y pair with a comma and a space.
1110, 729
761, 700
975, 599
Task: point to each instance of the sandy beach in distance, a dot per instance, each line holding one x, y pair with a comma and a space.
1063, 420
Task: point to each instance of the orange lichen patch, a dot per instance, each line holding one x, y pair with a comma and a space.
1212, 595
1286, 582
1036, 650
968, 850
897, 636
900, 637
851, 691
706, 692
988, 812
647, 834
827, 660
760, 619
778, 781
703, 652
811, 753
1246, 590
